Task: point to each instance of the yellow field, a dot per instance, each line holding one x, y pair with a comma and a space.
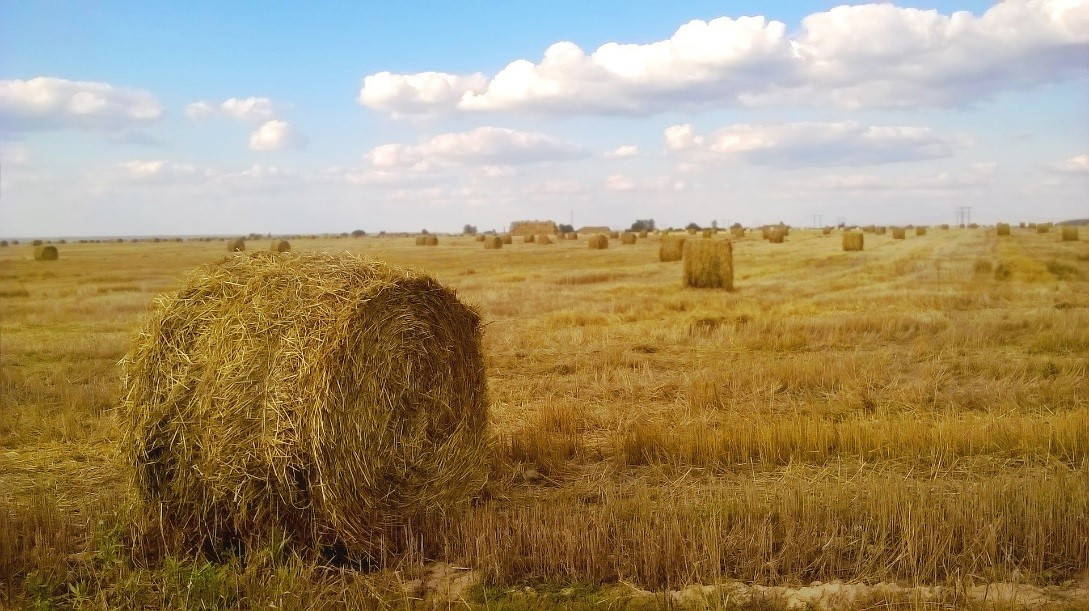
915, 413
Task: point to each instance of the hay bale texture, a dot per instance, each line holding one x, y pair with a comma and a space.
1003, 229
427, 240
627, 238
493, 242
236, 245
776, 235
1069, 233
325, 397
532, 227
280, 246
507, 238
598, 242
709, 264
45, 252
671, 248
544, 239
529, 238
920, 230
898, 233
853, 241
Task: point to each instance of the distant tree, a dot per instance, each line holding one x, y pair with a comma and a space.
692, 226
643, 225
565, 228
469, 229
358, 233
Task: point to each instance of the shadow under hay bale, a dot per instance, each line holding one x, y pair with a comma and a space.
598, 242
853, 241
47, 252
280, 246
671, 248
709, 264
368, 411
236, 245
627, 238
493, 242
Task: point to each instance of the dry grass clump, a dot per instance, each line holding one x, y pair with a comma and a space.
852, 241
709, 264
47, 252
627, 238
507, 238
529, 238
598, 242
544, 239
493, 242
1069, 233
898, 233
428, 239
1003, 229
280, 246
671, 248
368, 410
982, 267
920, 230
236, 245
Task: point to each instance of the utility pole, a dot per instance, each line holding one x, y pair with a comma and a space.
964, 215
817, 220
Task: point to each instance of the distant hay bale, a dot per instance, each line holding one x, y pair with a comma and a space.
594, 229
1032, 225
1003, 229
45, 252
693, 231
36, 242
571, 235
493, 242
973, 225
1043, 227
776, 235
1021, 225
598, 242
532, 227
429, 239
627, 238
507, 238
614, 234
3, 243
870, 229
852, 241
479, 237
1069, 233
643, 234
529, 238
709, 264
236, 245
881, 230
561, 235
280, 246
826, 231
898, 233
737, 232
708, 233
367, 411
945, 226
920, 230
544, 239
671, 248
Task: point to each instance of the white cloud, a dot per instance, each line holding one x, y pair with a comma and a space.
276, 135
250, 109
1078, 164
621, 183
156, 171
483, 145
52, 103
623, 152
875, 55
813, 144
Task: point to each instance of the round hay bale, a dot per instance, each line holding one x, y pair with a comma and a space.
1043, 228
529, 238
479, 237
643, 234
3, 243
826, 231
544, 239
671, 248
323, 397
280, 246
945, 226
708, 233
46, 252
852, 241
898, 233
920, 230
598, 242
571, 235
776, 235
709, 264
36, 242
613, 235
627, 238
1069, 233
428, 239
493, 242
236, 245
1003, 229
507, 238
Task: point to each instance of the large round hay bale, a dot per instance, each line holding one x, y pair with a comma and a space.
776, 235
480, 237
598, 242
627, 238
325, 397
428, 239
1069, 233
944, 226
280, 246
920, 230
1043, 227
236, 245
852, 240
45, 252
709, 264
544, 239
898, 233
507, 238
493, 242
529, 238
1003, 229
671, 248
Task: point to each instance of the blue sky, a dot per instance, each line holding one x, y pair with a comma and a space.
152, 118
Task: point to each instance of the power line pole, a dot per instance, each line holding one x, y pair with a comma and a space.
817, 220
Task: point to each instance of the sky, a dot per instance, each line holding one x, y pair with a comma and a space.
131, 118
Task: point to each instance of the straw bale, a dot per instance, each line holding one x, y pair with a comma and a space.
671, 248
598, 242
853, 240
493, 242
544, 239
532, 227
709, 264
280, 246
236, 245
1003, 229
507, 238
45, 252
920, 230
529, 238
898, 233
627, 238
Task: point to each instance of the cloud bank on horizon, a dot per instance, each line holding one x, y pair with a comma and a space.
872, 112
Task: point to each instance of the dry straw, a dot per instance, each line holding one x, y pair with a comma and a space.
945, 226
598, 242
1069, 233
427, 240
1003, 229
280, 246
920, 230
776, 235
671, 248
898, 233
544, 239
236, 245
709, 264
571, 236
642, 234
326, 398
1043, 227
493, 242
46, 252
529, 238
826, 231
853, 241
627, 238
737, 232
507, 238
708, 233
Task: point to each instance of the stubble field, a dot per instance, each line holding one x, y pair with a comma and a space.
914, 414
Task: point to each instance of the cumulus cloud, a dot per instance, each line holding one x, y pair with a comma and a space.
813, 144
1078, 165
276, 135
240, 109
875, 55
621, 183
45, 103
157, 171
623, 152
483, 145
